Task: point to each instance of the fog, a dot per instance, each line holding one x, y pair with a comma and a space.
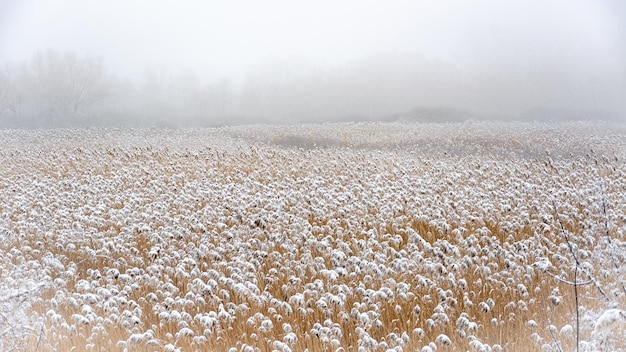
72, 62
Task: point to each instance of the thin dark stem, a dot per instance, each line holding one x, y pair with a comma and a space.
41, 334
571, 249
606, 218
608, 235
577, 317
554, 339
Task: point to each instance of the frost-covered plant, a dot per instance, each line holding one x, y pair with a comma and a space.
392, 238
19, 289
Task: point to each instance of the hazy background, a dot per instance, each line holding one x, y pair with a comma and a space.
65, 62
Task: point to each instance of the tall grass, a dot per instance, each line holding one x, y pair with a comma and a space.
189, 240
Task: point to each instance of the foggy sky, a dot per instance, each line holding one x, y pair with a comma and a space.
230, 39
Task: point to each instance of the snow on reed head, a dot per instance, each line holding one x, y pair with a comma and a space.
400, 236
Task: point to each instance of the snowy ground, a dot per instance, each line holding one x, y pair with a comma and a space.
321, 237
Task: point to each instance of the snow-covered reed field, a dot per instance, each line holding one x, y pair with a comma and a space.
339, 237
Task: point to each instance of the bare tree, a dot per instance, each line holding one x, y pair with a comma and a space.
65, 83
12, 88
4, 89
87, 81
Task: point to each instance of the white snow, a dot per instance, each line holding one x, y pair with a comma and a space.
368, 239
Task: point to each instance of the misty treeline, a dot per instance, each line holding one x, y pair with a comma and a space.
65, 89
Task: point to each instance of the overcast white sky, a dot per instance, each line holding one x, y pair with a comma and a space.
223, 38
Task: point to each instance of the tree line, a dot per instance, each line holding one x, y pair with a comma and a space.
64, 89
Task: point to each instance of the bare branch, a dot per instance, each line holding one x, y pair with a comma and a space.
567, 282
